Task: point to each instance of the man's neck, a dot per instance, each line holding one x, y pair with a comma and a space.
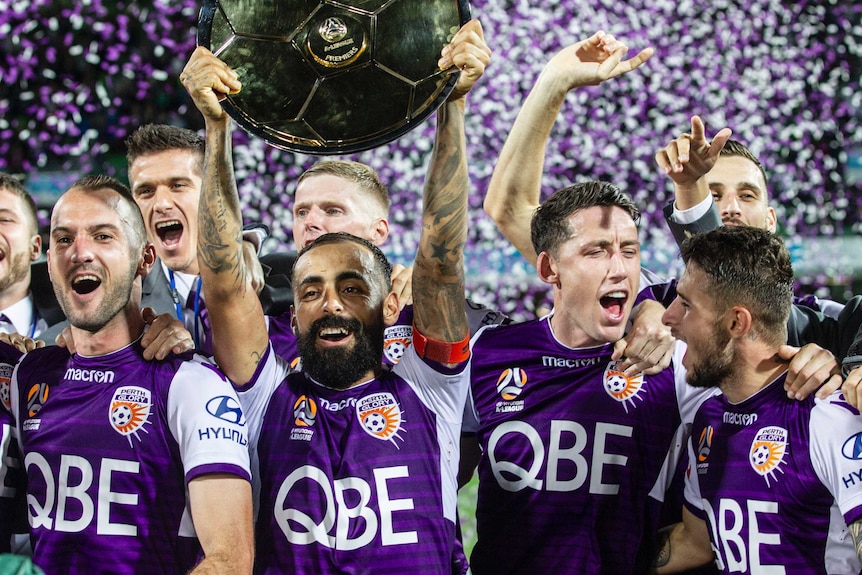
569, 333
123, 329
752, 375
14, 293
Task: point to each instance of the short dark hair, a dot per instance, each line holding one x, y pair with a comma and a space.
14, 185
549, 227
384, 268
355, 172
737, 148
750, 267
154, 138
96, 182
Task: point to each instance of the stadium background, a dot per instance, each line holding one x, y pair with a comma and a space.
77, 77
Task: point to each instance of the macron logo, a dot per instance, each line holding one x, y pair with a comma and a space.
93, 375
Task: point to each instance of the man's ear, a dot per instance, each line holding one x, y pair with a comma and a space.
293, 325
738, 321
391, 309
379, 232
548, 269
35, 247
148, 259
771, 220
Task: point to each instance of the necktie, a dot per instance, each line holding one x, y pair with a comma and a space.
200, 327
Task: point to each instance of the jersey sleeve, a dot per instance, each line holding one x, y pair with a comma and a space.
836, 452
206, 419
691, 492
443, 390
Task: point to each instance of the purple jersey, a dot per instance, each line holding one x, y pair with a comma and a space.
11, 479
776, 479
359, 480
109, 445
576, 456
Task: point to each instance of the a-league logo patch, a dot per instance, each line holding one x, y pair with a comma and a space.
380, 416
304, 411
130, 411
396, 340
767, 452
511, 383
36, 398
621, 387
704, 444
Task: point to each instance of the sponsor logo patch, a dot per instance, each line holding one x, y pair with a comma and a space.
767, 452
380, 416
852, 448
622, 388
130, 411
226, 408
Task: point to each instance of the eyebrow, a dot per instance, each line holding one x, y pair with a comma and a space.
91, 229
342, 276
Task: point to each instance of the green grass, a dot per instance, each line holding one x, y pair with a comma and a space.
467, 513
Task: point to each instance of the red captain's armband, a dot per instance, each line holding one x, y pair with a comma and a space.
441, 351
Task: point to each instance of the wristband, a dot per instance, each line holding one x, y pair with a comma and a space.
441, 351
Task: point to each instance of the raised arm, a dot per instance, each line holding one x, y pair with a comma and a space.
515, 189
687, 159
438, 272
236, 316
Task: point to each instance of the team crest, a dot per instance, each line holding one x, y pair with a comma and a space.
6, 385
304, 412
396, 340
36, 398
511, 383
621, 387
767, 452
130, 411
380, 416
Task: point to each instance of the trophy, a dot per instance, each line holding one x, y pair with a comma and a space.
333, 76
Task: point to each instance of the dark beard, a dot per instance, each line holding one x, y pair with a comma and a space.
340, 368
717, 367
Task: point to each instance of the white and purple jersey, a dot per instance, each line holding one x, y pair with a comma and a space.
778, 481
576, 456
109, 445
359, 480
11, 479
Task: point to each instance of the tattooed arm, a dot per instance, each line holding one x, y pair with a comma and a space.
438, 272
238, 326
856, 533
682, 546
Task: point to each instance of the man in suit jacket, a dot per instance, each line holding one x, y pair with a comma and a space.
27, 302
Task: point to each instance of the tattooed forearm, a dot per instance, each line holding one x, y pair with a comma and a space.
438, 274
856, 533
219, 218
662, 557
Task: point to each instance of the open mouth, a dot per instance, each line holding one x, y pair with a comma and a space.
83, 285
170, 232
333, 334
614, 303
